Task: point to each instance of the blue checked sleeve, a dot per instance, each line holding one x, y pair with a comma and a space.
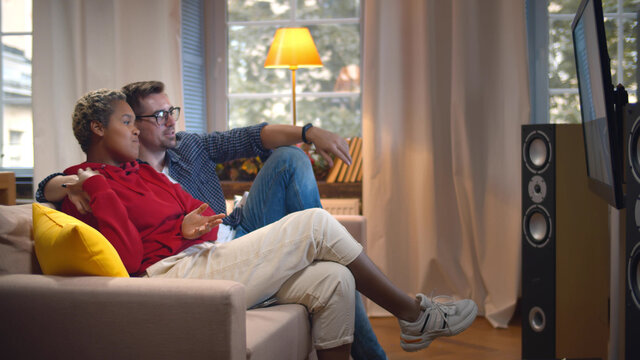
235, 143
40, 192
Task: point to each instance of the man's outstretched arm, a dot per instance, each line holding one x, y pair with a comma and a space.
55, 189
326, 142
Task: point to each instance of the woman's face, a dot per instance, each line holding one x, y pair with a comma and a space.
121, 135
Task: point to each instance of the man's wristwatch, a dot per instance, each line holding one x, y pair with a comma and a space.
304, 133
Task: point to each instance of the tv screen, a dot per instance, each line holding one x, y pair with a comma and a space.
601, 127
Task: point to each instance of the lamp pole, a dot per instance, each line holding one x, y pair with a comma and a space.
293, 87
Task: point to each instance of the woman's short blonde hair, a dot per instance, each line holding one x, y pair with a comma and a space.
97, 106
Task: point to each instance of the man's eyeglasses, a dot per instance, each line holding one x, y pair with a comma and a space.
162, 115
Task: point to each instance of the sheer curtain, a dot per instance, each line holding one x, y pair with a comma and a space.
83, 45
445, 93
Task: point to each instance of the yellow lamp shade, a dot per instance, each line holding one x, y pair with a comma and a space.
292, 48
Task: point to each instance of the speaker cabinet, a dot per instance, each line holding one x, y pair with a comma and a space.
632, 245
565, 248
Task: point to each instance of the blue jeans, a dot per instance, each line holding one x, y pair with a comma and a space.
286, 184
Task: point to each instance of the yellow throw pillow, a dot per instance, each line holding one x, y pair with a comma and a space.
65, 245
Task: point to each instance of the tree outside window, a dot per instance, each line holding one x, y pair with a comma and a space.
620, 21
328, 97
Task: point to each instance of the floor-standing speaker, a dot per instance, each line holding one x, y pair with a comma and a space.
565, 248
632, 248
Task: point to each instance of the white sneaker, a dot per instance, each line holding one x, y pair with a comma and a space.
437, 318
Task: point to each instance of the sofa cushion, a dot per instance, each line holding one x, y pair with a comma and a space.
278, 332
16, 241
65, 245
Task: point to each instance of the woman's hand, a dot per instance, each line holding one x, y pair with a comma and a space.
194, 224
77, 196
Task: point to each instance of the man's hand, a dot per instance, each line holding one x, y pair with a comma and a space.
77, 196
328, 143
194, 224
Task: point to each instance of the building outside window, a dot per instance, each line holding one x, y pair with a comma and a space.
621, 27
15, 137
16, 121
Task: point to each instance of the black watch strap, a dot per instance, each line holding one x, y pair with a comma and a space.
304, 133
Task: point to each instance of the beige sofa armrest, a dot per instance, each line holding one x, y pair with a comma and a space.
357, 227
121, 318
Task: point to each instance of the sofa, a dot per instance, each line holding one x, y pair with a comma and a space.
94, 317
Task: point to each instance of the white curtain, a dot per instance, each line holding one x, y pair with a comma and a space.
445, 93
83, 45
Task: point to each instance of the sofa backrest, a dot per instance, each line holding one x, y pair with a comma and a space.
16, 241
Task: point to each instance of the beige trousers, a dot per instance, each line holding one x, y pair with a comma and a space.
299, 259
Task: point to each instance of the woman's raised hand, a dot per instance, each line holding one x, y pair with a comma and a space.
194, 224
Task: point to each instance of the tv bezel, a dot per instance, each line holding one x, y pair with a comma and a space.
613, 193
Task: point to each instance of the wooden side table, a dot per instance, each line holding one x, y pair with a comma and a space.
7, 188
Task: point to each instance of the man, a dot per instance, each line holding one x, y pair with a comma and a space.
284, 185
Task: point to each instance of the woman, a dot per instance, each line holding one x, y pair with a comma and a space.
307, 257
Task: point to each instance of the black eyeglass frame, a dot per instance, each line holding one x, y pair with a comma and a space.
159, 115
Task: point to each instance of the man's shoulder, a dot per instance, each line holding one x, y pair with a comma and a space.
184, 134
187, 139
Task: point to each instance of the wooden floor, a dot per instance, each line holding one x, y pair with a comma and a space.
481, 341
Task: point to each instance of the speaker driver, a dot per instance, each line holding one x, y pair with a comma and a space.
537, 226
537, 151
537, 319
537, 189
633, 149
633, 274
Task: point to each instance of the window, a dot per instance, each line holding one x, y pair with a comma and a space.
241, 92
16, 119
562, 102
15, 137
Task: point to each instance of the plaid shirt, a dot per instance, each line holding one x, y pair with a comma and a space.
192, 163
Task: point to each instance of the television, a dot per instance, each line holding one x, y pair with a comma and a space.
601, 121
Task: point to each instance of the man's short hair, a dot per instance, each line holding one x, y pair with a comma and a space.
137, 91
97, 106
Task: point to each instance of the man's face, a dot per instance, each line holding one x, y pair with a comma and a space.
154, 137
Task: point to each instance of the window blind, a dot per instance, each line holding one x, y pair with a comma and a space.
193, 71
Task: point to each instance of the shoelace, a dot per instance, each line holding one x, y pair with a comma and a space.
443, 307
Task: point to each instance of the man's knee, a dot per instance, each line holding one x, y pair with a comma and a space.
291, 155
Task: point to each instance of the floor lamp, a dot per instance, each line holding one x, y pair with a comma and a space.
292, 48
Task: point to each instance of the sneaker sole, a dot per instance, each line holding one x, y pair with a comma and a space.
415, 343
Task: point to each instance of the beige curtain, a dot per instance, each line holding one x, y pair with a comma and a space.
83, 45
445, 93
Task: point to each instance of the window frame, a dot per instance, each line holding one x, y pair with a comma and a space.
216, 35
